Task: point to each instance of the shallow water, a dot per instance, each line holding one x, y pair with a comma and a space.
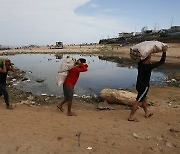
101, 74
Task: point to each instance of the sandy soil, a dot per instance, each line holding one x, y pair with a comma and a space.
44, 129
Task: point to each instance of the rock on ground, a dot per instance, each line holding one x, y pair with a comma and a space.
114, 96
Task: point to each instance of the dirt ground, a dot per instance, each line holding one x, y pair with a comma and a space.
44, 129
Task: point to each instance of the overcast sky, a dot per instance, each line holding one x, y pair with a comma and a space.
42, 22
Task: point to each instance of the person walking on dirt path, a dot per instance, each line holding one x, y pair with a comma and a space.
69, 84
142, 86
6, 66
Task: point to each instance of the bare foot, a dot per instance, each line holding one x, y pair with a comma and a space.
60, 108
148, 115
134, 120
71, 114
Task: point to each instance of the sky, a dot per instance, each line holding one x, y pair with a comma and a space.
43, 22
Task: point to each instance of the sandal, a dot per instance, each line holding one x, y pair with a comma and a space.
134, 120
149, 115
60, 108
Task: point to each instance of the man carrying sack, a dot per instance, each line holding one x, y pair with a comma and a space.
69, 83
142, 86
4, 68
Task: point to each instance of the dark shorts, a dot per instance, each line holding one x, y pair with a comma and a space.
68, 92
142, 92
4, 92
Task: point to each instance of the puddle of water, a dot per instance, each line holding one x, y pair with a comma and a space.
101, 74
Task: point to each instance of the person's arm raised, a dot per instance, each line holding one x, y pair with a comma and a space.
81, 68
162, 60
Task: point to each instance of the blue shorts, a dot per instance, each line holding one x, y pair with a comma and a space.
142, 92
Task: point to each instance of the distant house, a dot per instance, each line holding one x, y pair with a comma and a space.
174, 29
59, 45
125, 35
155, 31
167, 35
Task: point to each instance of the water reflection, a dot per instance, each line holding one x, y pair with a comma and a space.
101, 74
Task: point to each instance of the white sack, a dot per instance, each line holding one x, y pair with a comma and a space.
66, 65
60, 78
144, 49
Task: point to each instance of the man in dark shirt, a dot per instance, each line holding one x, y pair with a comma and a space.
6, 66
142, 86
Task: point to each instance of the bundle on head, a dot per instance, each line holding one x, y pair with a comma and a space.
144, 49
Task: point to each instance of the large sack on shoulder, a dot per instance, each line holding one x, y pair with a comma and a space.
144, 49
66, 65
113, 96
60, 78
